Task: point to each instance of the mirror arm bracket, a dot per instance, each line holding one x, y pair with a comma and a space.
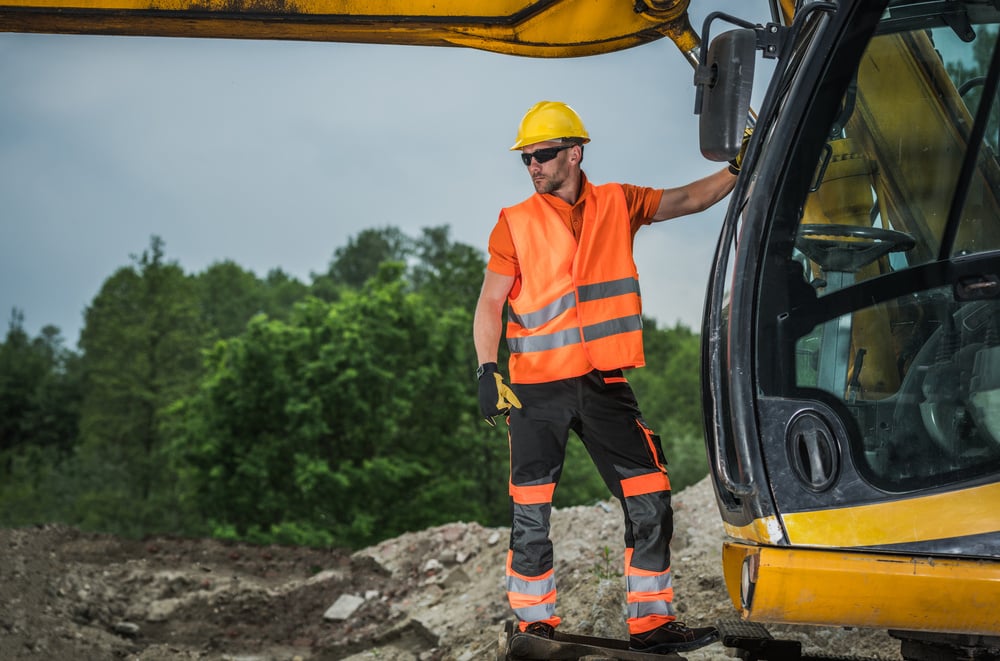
771, 40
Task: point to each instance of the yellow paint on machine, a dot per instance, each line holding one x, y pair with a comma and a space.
845, 588
533, 28
959, 513
766, 530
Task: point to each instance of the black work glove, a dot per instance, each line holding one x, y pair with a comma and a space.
737, 163
495, 396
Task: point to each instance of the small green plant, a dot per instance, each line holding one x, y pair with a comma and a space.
605, 567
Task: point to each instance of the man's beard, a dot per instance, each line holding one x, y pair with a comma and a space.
547, 184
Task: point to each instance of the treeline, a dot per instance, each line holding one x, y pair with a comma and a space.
337, 413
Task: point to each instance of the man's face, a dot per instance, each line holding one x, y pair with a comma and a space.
552, 175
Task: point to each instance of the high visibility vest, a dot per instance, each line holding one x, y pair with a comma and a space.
576, 307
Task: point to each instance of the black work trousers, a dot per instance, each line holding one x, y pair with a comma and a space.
601, 408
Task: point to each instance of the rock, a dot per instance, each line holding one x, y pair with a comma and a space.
162, 609
343, 608
128, 629
457, 577
324, 576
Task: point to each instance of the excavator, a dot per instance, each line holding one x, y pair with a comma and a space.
850, 353
851, 330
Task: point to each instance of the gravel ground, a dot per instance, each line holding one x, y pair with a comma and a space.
433, 595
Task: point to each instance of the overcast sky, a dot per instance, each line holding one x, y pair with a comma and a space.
273, 154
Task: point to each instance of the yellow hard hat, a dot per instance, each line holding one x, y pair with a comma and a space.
549, 120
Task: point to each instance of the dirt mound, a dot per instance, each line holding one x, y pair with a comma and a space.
434, 595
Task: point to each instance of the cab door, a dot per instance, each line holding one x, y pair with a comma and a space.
852, 346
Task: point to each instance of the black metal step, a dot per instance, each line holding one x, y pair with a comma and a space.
526, 647
752, 642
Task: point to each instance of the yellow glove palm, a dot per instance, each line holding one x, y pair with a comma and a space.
736, 164
495, 396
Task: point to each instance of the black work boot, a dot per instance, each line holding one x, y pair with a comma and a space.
672, 637
541, 629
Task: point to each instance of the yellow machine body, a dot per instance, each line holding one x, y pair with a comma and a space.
859, 589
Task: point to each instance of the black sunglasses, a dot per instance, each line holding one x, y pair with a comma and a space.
544, 155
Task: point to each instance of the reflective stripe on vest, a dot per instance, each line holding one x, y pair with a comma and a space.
586, 293
577, 306
572, 335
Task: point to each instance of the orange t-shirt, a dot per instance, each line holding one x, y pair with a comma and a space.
642, 204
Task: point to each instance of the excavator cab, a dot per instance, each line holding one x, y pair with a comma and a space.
852, 330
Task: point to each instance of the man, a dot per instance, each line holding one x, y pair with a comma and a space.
562, 259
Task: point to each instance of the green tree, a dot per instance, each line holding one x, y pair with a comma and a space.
141, 341
272, 416
447, 270
354, 264
229, 296
39, 400
38, 391
281, 293
349, 423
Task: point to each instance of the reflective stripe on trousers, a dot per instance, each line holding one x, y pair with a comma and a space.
532, 591
649, 583
533, 598
650, 597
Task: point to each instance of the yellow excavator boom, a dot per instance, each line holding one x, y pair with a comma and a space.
533, 28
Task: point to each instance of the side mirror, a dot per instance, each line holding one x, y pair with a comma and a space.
724, 83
